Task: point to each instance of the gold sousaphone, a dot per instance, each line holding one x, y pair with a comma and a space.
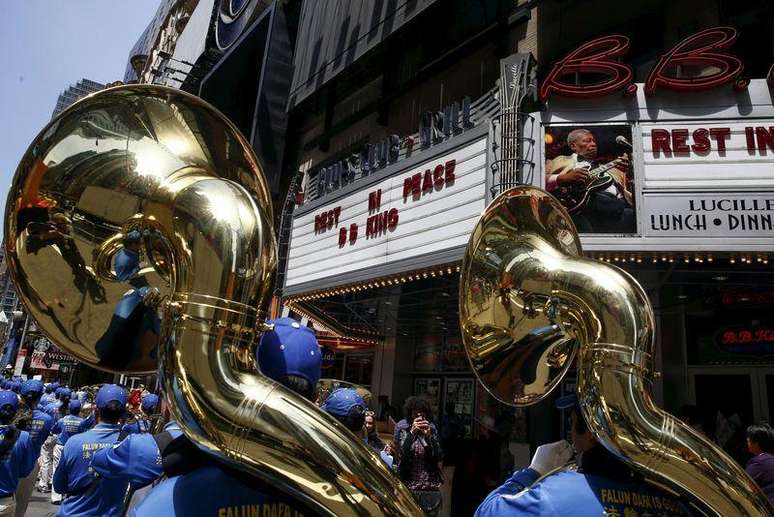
529, 303
138, 232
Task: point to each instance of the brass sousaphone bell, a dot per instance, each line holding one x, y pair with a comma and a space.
530, 303
138, 233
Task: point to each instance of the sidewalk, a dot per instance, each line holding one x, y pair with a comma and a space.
40, 505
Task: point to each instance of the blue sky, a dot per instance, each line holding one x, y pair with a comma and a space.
46, 45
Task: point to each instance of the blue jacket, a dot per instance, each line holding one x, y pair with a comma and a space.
136, 459
580, 495
39, 428
213, 491
54, 409
46, 399
87, 423
65, 427
17, 462
139, 426
85, 493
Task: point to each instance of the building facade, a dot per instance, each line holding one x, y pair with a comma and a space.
75, 92
383, 105
385, 129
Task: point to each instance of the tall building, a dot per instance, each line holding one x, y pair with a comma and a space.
77, 91
8, 299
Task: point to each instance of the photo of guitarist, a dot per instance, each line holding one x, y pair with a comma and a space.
594, 190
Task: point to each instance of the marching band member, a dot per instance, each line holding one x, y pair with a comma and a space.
602, 485
39, 428
85, 493
288, 354
17, 453
65, 427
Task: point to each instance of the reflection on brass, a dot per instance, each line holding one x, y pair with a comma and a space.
529, 303
138, 235
327, 386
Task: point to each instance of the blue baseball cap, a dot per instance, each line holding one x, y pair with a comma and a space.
150, 402
65, 392
16, 386
32, 386
74, 406
290, 349
344, 402
110, 393
567, 401
9, 398
49, 387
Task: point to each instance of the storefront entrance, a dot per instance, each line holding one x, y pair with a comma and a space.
741, 394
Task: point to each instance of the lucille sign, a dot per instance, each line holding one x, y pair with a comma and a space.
602, 56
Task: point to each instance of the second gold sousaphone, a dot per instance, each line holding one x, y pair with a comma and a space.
529, 303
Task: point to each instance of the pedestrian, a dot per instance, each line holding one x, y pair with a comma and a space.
420, 453
135, 397
46, 456
760, 443
48, 397
85, 493
64, 428
17, 453
374, 441
290, 355
577, 493
39, 427
147, 408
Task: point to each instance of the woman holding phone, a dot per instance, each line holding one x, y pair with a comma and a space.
420, 453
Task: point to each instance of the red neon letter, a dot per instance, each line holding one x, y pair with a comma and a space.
679, 139
721, 134
701, 143
765, 138
599, 56
705, 48
659, 141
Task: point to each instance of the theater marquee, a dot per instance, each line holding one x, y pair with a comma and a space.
424, 209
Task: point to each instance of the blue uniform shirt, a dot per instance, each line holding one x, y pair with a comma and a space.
87, 494
139, 426
136, 459
212, 491
87, 423
67, 426
54, 409
17, 462
39, 428
576, 494
46, 399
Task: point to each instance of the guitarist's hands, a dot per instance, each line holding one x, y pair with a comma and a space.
623, 162
573, 176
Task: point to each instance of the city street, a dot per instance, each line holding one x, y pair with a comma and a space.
427, 258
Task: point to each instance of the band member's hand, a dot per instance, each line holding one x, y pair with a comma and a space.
623, 162
551, 456
573, 176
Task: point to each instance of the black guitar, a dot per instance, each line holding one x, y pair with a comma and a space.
575, 196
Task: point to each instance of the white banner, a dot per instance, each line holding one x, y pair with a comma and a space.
709, 155
709, 214
429, 208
